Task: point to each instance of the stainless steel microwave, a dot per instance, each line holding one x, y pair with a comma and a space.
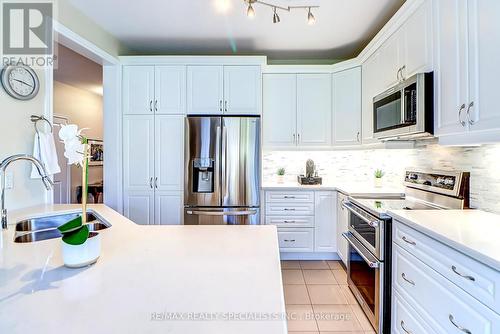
405, 111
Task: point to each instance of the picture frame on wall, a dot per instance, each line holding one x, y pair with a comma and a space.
96, 152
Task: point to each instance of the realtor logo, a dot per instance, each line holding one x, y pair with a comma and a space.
27, 28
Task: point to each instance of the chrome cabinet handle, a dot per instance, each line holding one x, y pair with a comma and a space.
294, 138
287, 197
289, 209
462, 108
357, 137
407, 280
289, 240
397, 74
151, 182
470, 278
409, 241
289, 221
460, 328
220, 105
150, 105
225, 105
402, 75
156, 182
156, 105
471, 122
404, 328
298, 138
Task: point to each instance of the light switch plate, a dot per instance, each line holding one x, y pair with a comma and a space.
9, 180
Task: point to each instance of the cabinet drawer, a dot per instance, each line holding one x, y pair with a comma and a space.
405, 319
481, 281
290, 209
296, 240
445, 305
287, 221
290, 196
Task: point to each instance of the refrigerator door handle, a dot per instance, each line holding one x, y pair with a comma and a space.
225, 184
222, 213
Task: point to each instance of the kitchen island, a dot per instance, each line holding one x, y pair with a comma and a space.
149, 279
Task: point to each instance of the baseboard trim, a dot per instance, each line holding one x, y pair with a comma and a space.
309, 256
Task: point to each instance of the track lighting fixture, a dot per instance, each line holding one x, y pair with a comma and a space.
276, 19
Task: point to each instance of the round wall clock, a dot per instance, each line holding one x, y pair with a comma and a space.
20, 81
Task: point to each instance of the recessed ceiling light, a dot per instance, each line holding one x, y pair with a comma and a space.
222, 6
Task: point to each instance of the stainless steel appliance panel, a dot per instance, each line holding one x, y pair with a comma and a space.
202, 161
221, 216
240, 161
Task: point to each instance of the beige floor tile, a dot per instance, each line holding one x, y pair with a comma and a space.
292, 276
290, 265
301, 318
348, 295
296, 294
335, 265
319, 277
340, 276
290, 332
326, 294
336, 318
348, 332
363, 320
314, 265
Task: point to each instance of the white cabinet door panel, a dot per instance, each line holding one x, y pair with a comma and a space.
138, 152
342, 227
296, 239
242, 90
205, 89
139, 206
170, 90
169, 157
347, 107
314, 109
389, 62
138, 89
370, 88
168, 208
279, 110
325, 232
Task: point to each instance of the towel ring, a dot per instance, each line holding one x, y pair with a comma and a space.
36, 119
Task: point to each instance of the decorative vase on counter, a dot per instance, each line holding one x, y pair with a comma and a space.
378, 177
77, 256
280, 178
378, 182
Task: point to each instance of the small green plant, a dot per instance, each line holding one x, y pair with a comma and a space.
281, 171
379, 173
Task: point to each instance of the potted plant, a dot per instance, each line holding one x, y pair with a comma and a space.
378, 177
80, 247
281, 175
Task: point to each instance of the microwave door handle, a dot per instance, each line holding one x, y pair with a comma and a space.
367, 257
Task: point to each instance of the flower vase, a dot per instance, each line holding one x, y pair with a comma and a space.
280, 179
378, 182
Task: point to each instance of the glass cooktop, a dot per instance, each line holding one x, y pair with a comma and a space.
379, 207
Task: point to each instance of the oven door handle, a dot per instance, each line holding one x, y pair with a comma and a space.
350, 207
365, 254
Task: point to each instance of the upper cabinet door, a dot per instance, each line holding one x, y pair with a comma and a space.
242, 90
389, 61
451, 67
347, 107
170, 90
314, 109
138, 152
279, 110
416, 52
138, 89
484, 54
371, 86
169, 157
205, 88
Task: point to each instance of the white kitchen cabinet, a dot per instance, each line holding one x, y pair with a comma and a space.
371, 86
325, 220
139, 206
347, 107
296, 240
169, 152
168, 208
314, 110
342, 227
389, 62
242, 90
138, 152
205, 89
170, 90
138, 89
279, 110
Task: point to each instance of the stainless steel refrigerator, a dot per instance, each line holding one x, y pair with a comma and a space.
222, 170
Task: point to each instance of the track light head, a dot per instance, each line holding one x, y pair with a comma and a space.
310, 17
250, 11
276, 18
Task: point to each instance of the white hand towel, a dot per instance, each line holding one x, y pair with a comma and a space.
44, 149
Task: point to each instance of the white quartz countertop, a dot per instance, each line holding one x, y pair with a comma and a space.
472, 232
227, 274
356, 189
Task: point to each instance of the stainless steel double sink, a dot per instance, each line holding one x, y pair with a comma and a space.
44, 228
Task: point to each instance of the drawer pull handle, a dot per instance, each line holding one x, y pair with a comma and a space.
289, 221
470, 278
452, 320
409, 241
287, 209
289, 197
404, 328
408, 280
289, 240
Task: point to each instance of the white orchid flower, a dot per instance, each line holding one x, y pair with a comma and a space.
68, 132
73, 147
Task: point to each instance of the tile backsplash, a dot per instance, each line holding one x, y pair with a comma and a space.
483, 162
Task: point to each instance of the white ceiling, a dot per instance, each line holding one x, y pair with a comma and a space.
342, 29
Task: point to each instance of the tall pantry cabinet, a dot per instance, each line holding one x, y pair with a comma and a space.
154, 107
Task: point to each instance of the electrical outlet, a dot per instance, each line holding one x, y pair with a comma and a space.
9, 180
